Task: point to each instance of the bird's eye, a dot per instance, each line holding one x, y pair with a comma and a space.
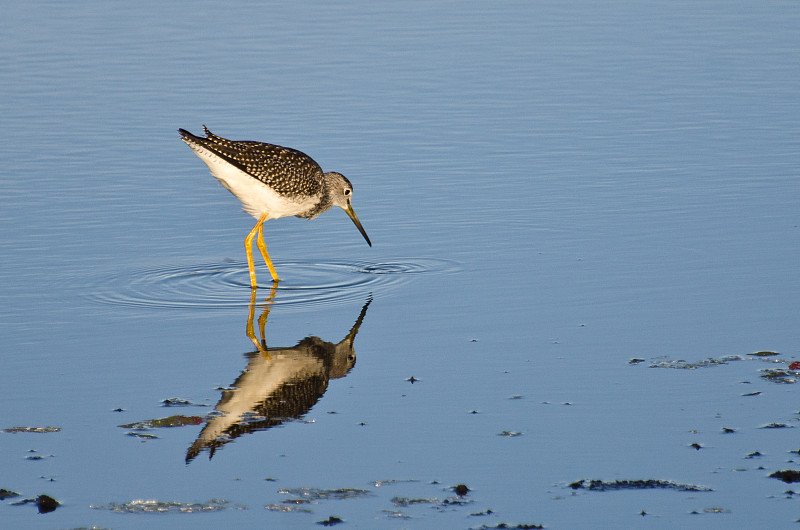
348, 192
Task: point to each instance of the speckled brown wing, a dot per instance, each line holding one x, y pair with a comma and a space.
287, 171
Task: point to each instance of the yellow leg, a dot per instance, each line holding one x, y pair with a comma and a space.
263, 248
248, 247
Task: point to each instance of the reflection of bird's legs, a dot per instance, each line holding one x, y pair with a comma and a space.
262, 320
261, 345
251, 313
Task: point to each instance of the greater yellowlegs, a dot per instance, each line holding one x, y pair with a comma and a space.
272, 182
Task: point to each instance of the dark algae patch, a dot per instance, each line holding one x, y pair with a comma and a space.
778, 375
504, 526
155, 506
615, 485
178, 402
7, 494
315, 494
787, 475
15, 430
330, 521
170, 421
45, 503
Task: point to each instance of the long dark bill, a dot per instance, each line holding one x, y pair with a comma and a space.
352, 215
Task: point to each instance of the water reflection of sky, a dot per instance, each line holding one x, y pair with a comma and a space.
552, 189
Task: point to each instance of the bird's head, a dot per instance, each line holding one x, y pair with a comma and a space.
341, 193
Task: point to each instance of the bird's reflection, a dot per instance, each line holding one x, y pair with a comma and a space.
278, 385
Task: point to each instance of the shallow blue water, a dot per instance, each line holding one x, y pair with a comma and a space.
551, 191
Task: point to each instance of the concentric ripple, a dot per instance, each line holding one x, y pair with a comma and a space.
227, 284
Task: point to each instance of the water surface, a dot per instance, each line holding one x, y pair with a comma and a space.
551, 190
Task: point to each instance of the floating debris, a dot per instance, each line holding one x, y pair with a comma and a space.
142, 436
286, 508
795, 366
778, 376
754, 454
505, 526
7, 494
402, 502
764, 353
683, 365
751, 394
154, 506
715, 509
45, 503
379, 483
600, 485
296, 501
787, 475
178, 402
696, 446
457, 501
170, 421
728, 430
461, 490
636, 360
318, 494
15, 430
330, 521
392, 514
509, 434
775, 426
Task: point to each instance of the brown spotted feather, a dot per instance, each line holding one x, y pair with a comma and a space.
287, 171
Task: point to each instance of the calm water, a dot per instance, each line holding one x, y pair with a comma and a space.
552, 190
